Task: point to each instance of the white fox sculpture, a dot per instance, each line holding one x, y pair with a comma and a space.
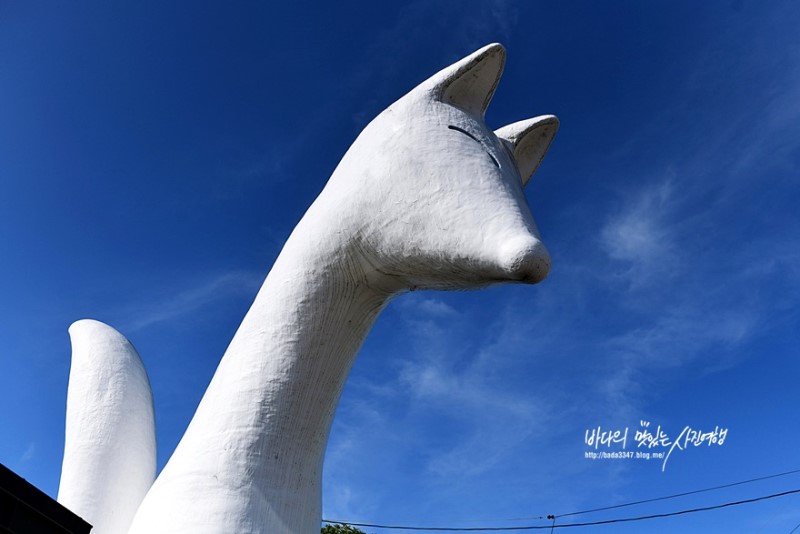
426, 197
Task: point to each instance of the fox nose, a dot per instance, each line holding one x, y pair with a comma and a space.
525, 259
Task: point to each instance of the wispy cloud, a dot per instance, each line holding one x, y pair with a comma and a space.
680, 278
436, 308
684, 241
639, 357
29, 453
463, 387
639, 235
172, 306
443, 378
487, 420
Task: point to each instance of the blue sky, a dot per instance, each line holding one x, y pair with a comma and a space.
155, 156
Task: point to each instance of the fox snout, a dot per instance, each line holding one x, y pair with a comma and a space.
525, 259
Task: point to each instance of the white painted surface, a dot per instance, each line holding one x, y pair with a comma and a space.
110, 447
426, 197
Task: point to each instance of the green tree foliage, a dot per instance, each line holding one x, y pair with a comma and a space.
339, 528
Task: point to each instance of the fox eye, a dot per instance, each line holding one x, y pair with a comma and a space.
494, 159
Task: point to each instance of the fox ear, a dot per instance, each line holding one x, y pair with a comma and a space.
470, 83
529, 141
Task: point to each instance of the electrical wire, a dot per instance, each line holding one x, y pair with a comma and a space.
694, 492
569, 525
644, 501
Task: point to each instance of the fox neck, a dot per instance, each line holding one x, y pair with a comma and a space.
263, 423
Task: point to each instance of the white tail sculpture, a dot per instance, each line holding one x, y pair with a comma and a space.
426, 197
110, 446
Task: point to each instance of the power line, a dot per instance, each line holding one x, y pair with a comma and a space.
666, 497
568, 525
654, 499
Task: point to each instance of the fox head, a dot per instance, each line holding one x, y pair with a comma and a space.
439, 196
